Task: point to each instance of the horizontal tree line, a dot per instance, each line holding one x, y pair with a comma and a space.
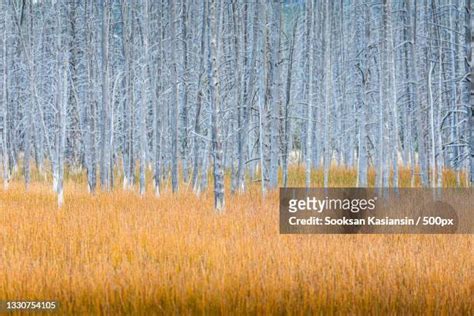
248, 87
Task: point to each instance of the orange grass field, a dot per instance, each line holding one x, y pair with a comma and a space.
117, 253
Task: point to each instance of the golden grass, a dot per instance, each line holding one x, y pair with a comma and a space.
118, 253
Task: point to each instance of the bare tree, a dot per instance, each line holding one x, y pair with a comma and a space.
216, 110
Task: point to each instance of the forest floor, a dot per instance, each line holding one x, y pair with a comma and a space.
119, 253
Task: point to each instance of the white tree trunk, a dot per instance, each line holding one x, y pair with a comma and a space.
309, 42
216, 111
5, 153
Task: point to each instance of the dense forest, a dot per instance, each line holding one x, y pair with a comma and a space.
191, 88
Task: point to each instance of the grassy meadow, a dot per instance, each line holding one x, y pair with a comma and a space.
119, 253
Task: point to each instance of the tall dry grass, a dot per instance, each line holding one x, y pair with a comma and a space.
118, 253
